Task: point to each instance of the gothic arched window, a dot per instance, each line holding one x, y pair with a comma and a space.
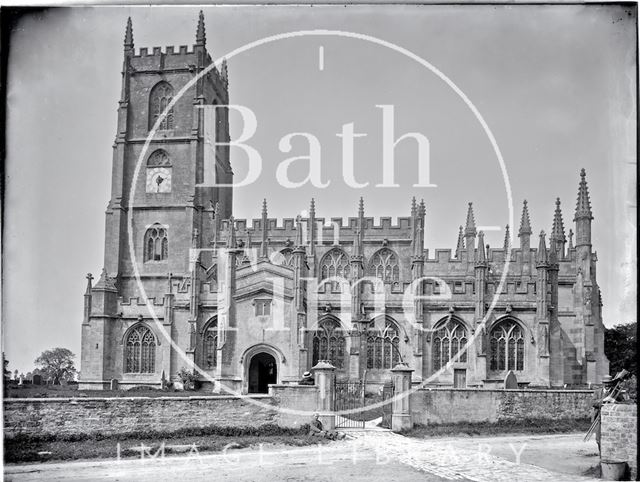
156, 243
506, 346
449, 338
384, 265
335, 264
329, 343
383, 350
160, 97
140, 349
210, 344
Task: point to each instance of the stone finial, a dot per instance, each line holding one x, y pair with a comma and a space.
557, 231
470, 229
201, 38
422, 210
264, 208
507, 238
361, 208
89, 279
231, 237
128, 36
570, 239
583, 206
460, 244
312, 208
170, 283
481, 256
525, 222
299, 231
414, 208
541, 255
356, 244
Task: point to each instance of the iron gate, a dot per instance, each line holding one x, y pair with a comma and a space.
349, 396
387, 404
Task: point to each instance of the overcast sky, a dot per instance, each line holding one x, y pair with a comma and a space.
555, 84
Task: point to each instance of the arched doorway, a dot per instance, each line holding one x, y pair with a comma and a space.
263, 370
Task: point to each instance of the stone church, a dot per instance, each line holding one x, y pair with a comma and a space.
252, 303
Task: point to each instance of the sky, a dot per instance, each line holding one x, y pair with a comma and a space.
554, 84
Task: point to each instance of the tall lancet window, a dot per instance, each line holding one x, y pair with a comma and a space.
383, 350
160, 97
210, 344
140, 351
506, 346
449, 338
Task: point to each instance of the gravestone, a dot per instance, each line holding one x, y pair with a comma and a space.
163, 381
510, 381
114, 384
37, 379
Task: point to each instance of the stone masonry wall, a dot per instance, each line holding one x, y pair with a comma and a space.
113, 416
441, 406
619, 435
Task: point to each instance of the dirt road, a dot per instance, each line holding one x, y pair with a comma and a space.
364, 457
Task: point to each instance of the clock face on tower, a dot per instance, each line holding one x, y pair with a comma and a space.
159, 179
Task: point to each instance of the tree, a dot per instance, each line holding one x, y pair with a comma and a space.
6, 373
56, 363
620, 347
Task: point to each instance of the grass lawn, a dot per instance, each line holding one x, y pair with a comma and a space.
524, 426
31, 449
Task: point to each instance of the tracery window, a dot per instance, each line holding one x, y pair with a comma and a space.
156, 243
384, 265
210, 344
383, 351
160, 97
335, 264
506, 346
329, 343
140, 351
449, 339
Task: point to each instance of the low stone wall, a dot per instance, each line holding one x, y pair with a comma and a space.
619, 439
296, 403
443, 406
113, 416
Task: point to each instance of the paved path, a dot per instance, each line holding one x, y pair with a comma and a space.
459, 459
365, 456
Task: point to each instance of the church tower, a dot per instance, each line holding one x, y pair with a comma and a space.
161, 191
160, 206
